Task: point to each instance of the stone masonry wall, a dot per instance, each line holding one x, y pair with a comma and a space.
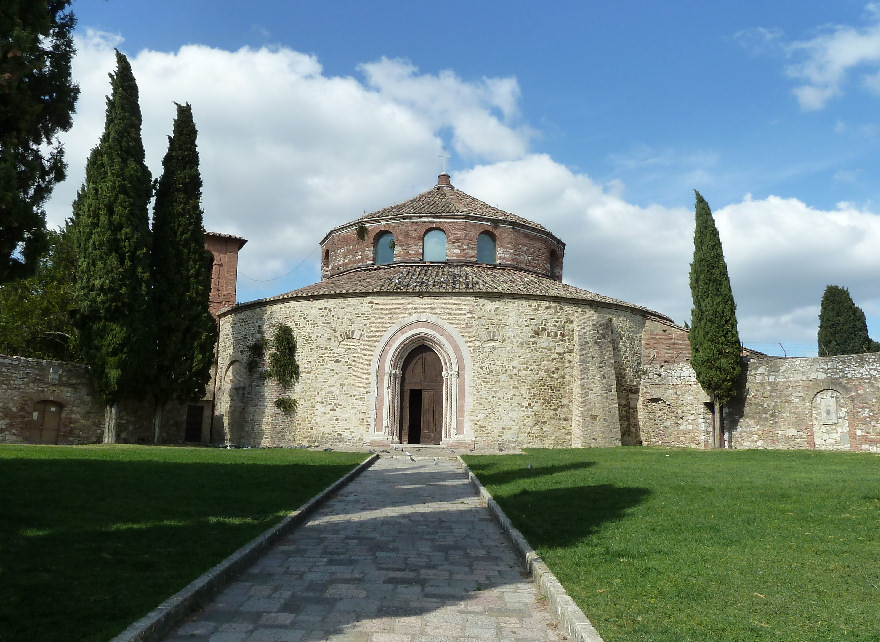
30, 389
520, 392
829, 403
515, 246
24, 383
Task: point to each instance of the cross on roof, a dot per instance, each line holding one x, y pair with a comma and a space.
444, 156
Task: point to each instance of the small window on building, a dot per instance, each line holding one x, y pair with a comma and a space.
434, 246
553, 267
384, 248
486, 249
326, 258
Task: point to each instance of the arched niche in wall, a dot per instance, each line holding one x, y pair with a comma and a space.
830, 420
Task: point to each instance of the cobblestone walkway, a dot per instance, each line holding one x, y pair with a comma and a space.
404, 552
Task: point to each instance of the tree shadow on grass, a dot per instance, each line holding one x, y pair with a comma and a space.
87, 546
562, 516
509, 475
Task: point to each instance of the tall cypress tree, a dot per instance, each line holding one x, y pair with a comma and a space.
111, 221
843, 328
715, 346
37, 97
180, 269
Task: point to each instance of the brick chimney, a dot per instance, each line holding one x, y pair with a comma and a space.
224, 248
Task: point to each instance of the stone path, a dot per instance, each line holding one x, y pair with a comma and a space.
404, 552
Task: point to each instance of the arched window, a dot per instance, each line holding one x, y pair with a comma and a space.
326, 258
434, 246
553, 267
384, 248
486, 249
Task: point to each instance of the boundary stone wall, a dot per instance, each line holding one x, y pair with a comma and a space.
70, 397
825, 403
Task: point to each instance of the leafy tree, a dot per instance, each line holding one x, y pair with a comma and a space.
37, 99
180, 268
113, 317
36, 313
842, 325
715, 347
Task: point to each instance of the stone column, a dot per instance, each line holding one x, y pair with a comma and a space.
392, 403
453, 403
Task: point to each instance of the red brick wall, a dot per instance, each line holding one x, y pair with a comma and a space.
514, 246
665, 343
225, 272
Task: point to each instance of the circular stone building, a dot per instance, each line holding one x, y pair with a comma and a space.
440, 320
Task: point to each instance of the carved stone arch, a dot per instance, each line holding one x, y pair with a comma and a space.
386, 370
830, 419
233, 391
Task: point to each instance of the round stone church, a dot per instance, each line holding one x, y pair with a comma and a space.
440, 320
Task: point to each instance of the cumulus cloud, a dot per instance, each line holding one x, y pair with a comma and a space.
823, 63
781, 253
483, 115
288, 152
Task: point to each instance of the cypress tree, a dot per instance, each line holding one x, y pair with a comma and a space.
111, 221
843, 328
180, 268
37, 98
715, 346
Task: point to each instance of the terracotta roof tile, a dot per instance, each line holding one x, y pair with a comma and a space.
440, 278
446, 201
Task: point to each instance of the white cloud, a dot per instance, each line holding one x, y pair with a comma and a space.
482, 115
823, 63
288, 152
780, 253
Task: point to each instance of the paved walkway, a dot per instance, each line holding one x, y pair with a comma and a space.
404, 552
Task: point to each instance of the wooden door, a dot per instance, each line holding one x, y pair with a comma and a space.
47, 422
421, 398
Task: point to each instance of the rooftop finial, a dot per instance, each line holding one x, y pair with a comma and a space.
444, 156
443, 179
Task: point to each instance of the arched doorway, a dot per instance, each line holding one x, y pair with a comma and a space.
395, 354
421, 397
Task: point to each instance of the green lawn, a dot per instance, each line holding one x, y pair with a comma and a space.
94, 537
677, 545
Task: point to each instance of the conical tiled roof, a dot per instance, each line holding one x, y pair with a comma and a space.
446, 201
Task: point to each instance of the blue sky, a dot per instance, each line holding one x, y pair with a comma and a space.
595, 119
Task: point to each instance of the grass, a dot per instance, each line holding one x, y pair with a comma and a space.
678, 545
94, 537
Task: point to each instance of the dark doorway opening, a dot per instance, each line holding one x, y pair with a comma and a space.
421, 398
193, 430
414, 430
